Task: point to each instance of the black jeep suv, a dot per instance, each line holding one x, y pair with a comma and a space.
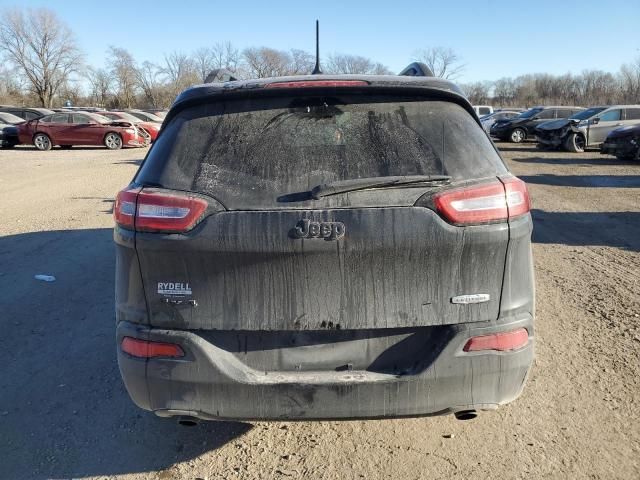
323, 247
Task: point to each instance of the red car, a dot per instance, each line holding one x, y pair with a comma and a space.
153, 128
70, 128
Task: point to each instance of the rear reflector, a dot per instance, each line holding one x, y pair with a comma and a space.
147, 349
318, 84
500, 342
157, 211
488, 202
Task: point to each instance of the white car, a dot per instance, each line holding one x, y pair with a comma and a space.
482, 110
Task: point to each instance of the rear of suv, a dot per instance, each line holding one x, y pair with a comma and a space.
323, 247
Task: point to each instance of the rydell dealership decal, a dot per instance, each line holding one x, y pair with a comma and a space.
174, 288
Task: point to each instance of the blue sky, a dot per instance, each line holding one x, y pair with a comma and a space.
494, 38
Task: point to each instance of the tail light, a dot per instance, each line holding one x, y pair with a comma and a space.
500, 342
156, 211
318, 83
489, 202
147, 349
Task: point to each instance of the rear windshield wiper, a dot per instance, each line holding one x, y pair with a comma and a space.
343, 186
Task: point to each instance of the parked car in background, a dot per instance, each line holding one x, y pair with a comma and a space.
160, 113
523, 126
623, 142
488, 120
145, 116
482, 110
79, 128
588, 128
309, 242
152, 128
9, 129
27, 113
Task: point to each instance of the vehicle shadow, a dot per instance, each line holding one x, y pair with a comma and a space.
130, 162
522, 147
607, 229
592, 181
64, 412
577, 160
93, 148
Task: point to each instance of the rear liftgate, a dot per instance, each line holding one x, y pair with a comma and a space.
321, 297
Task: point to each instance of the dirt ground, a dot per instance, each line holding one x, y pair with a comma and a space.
64, 412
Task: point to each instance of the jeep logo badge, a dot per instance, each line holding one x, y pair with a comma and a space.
327, 230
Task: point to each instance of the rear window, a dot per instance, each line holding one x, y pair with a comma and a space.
248, 153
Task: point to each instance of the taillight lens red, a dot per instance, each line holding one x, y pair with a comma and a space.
500, 342
157, 211
318, 84
124, 210
484, 203
147, 349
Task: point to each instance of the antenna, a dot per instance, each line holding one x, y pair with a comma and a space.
316, 69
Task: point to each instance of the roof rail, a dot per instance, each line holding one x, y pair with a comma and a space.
416, 69
219, 75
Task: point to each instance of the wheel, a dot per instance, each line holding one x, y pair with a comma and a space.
65, 147
42, 141
517, 135
575, 143
113, 141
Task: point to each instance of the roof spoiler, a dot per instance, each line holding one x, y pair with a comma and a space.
416, 69
219, 75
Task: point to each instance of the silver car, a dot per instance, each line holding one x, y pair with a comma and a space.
588, 128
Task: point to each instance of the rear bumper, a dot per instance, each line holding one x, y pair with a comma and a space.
213, 382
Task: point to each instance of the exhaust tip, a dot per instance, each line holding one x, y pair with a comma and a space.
186, 421
466, 414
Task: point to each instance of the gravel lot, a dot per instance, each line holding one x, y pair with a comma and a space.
64, 412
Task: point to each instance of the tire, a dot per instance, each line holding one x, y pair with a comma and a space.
517, 135
66, 147
113, 141
42, 141
575, 143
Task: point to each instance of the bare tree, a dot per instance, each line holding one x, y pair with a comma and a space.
179, 68
342, 63
226, 56
478, 92
11, 87
180, 72
629, 81
264, 62
302, 62
203, 61
42, 48
101, 84
442, 61
71, 91
123, 69
148, 78
221, 55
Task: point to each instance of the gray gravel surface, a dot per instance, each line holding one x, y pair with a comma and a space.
64, 412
